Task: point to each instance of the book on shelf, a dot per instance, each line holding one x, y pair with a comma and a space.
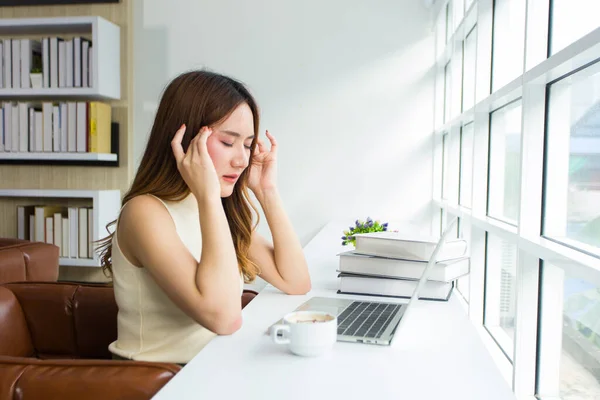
352, 262
32, 127
408, 247
392, 287
68, 228
63, 62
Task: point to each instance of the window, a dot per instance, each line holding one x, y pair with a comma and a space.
500, 293
466, 165
569, 336
449, 26
572, 19
459, 11
440, 41
470, 48
511, 142
508, 41
468, 4
457, 84
462, 283
445, 172
504, 164
572, 188
447, 86
439, 99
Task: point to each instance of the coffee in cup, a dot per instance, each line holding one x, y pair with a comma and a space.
307, 333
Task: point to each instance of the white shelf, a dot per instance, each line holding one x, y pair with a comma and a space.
56, 156
105, 203
59, 193
78, 262
55, 93
106, 57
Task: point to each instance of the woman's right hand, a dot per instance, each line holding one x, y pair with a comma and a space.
195, 165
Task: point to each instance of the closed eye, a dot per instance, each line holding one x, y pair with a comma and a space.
228, 144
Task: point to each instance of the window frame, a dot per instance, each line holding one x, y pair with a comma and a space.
533, 249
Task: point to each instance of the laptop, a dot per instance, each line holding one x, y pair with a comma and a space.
372, 322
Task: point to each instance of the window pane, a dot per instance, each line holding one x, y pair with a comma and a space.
509, 41
449, 27
504, 166
570, 20
440, 28
572, 192
462, 284
447, 84
457, 85
459, 11
470, 49
468, 4
447, 218
439, 99
445, 172
466, 165
569, 337
500, 291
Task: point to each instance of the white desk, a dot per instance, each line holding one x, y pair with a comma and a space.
438, 354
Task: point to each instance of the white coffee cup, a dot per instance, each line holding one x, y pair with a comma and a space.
307, 333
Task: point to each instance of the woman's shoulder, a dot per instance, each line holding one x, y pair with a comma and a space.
140, 218
143, 209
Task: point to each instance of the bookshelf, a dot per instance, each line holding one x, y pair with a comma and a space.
105, 36
105, 205
68, 179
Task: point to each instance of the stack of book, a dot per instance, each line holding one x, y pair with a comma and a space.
391, 264
68, 228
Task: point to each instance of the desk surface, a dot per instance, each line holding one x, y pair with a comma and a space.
437, 355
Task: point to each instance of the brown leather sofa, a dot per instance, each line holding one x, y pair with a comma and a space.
22, 260
54, 344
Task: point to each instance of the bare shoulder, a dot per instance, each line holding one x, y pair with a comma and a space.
141, 221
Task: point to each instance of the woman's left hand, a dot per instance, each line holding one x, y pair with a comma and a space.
263, 173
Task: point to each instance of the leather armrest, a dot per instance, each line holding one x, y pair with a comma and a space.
22, 260
29, 378
248, 296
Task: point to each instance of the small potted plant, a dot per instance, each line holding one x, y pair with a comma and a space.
36, 77
362, 227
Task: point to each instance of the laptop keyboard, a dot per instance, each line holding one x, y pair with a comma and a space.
366, 319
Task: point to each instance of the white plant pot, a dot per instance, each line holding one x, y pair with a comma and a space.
36, 80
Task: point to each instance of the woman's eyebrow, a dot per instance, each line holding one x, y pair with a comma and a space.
232, 133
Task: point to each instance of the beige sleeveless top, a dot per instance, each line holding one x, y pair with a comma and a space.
150, 326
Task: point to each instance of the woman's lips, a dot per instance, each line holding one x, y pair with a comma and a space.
230, 178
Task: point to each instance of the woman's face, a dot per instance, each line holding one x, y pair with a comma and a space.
229, 147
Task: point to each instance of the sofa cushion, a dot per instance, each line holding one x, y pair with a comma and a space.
82, 379
48, 312
22, 260
95, 319
15, 338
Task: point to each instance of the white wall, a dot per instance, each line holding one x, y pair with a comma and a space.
345, 86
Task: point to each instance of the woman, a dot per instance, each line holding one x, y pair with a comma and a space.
185, 241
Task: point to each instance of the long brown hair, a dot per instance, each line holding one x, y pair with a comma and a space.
197, 98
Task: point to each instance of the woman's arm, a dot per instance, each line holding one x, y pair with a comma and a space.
282, 263
207, 291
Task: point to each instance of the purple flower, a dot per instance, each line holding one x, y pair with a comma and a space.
344, 238
343, 243
385, 225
